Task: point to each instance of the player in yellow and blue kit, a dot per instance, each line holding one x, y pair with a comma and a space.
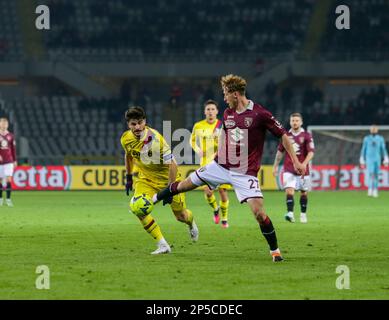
147, 149
372, 153
204, 141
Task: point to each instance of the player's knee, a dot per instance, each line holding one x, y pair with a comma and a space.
289, 191
139, 215
208, 193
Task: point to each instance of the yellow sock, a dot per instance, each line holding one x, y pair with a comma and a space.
152, 227
189, 217
224, 209
212, 201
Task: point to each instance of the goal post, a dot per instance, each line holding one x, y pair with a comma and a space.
337, 152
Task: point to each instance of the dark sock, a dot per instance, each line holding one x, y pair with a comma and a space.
1, 191
8, 191
303, 203
169, 191
269, 233
289, 203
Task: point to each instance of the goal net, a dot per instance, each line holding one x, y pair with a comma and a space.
337, 152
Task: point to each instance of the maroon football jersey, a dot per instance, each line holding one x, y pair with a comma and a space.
243, 136
7, 148
302, 143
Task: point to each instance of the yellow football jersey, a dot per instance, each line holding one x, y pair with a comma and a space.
205, 137
151, 155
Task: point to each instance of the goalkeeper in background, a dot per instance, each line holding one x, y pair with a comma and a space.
204, 141
147, 149
372, 153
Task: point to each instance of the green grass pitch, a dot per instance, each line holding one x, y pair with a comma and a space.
95, 249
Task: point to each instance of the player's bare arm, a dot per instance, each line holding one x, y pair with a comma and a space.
300, 168
129, 163
277, 161
308, 158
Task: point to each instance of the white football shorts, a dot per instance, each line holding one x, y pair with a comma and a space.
213, 175
290, 180
6, 170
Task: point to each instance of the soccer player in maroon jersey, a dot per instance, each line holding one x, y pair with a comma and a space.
239, 156
304, 147
7, 160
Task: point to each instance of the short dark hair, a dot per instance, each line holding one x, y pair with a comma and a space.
297, 114
210, 101
135, 113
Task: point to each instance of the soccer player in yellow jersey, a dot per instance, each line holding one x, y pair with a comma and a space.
204, 141
148, 150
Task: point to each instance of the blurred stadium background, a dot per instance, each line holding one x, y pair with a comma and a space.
65, 89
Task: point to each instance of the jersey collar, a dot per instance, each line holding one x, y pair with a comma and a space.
250, 107
296, 134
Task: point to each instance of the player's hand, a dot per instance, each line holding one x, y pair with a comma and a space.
200, 153
167, 200
275, 171
129, 183
362, 166
300, 168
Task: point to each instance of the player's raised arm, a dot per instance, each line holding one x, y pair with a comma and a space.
300, 168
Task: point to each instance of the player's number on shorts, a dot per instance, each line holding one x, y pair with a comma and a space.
254, 184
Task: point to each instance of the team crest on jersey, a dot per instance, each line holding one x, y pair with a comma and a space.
248, 122
230, 123
301, 140
4, 143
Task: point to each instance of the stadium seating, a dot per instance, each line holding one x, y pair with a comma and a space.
10, 35
117, 30
357, 43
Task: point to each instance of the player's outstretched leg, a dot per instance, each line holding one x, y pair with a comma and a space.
303, 205
174, 188
268, 231
211, 200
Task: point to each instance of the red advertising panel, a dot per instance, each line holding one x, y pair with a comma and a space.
349, 177
41, 178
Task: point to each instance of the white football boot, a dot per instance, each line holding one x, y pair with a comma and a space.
375, 193
303, 218
194, 232
369, 192
289, 217
162, 248
9, 202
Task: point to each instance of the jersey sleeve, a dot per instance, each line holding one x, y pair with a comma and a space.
281, 147
166, 153
363, 150
310, 145
13, 148
123, 142
272, 124
193, 139
384, 152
